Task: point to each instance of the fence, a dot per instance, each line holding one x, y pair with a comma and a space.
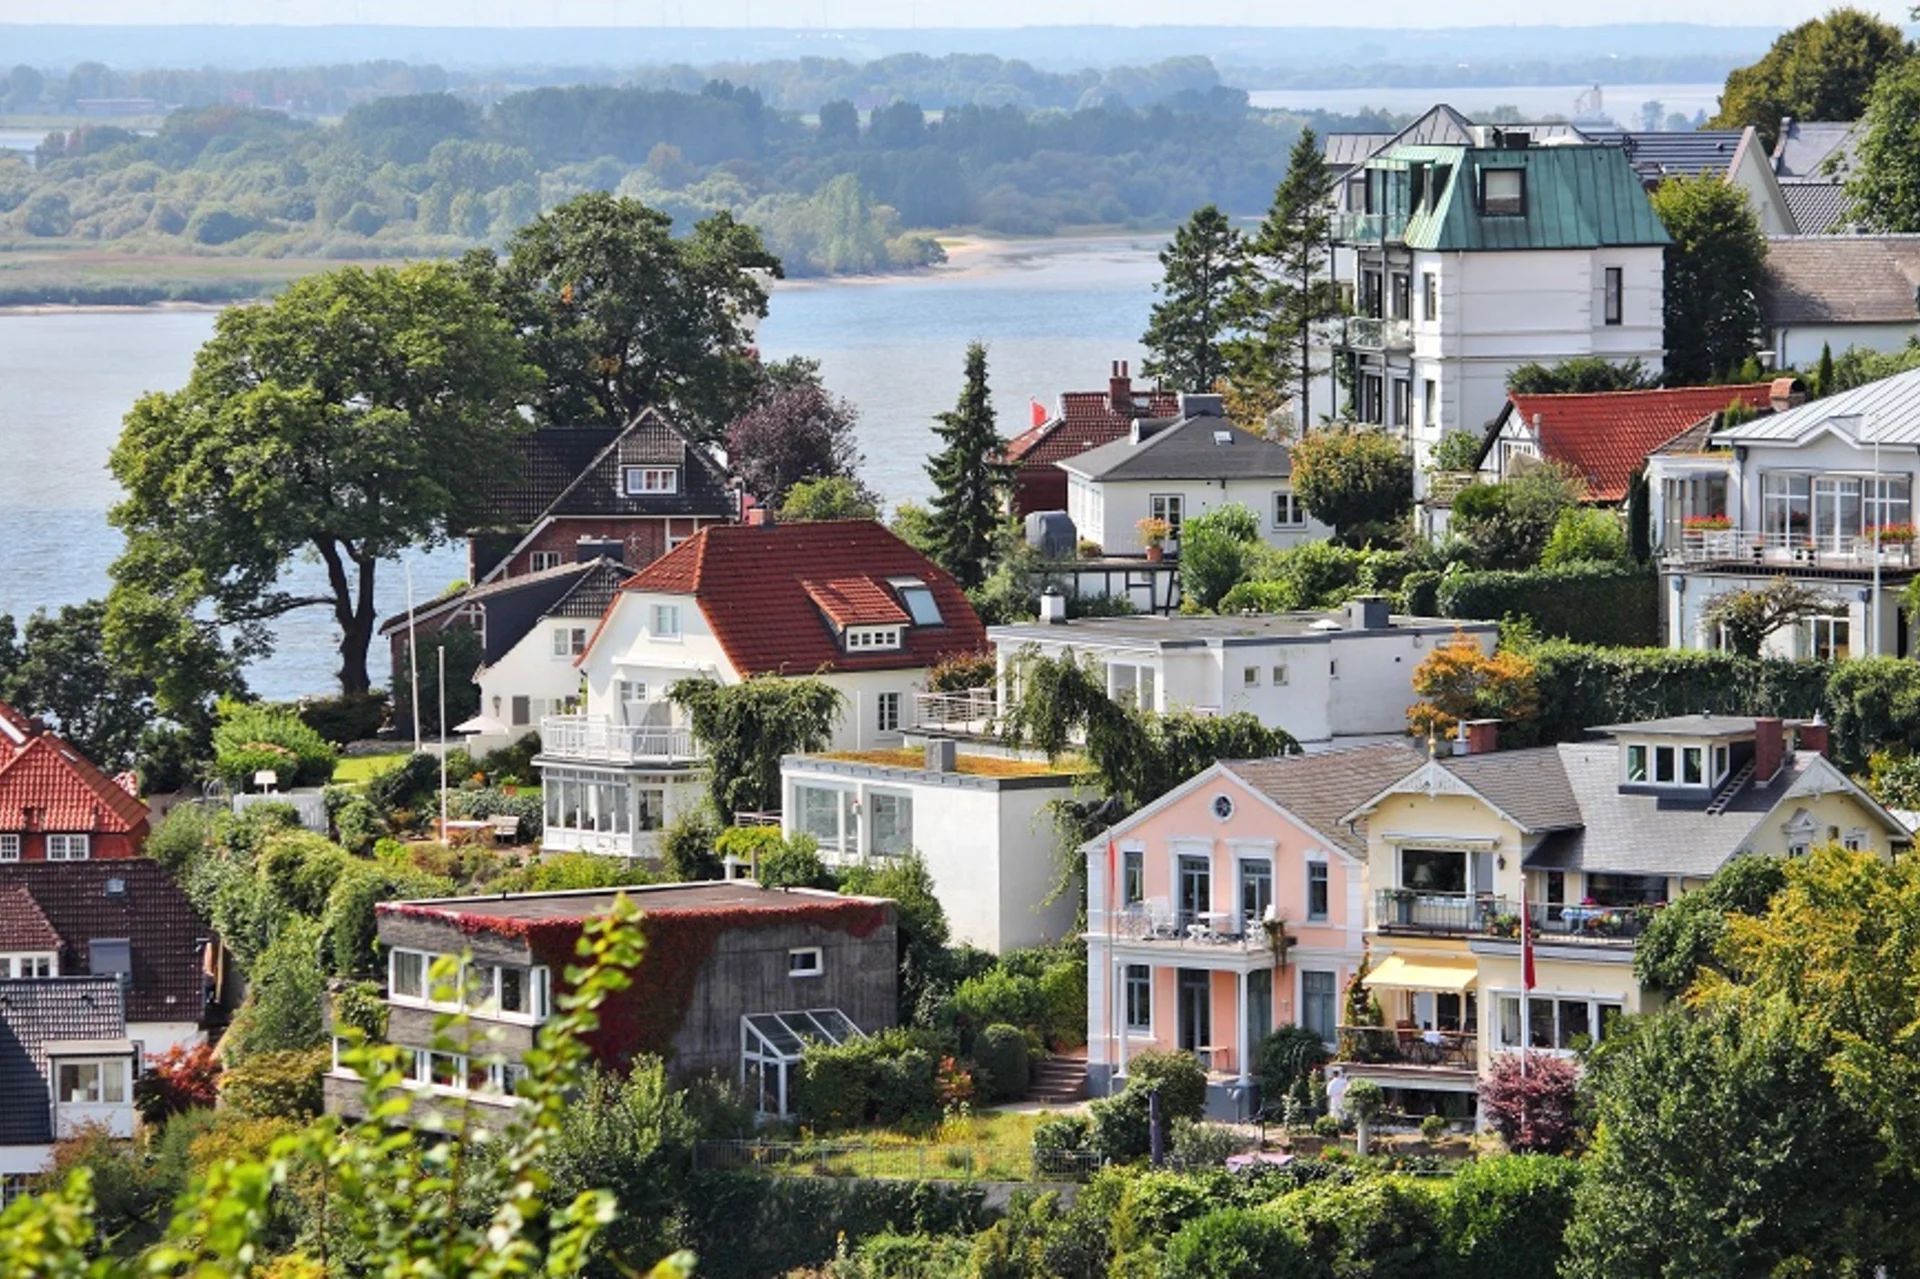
918, 1161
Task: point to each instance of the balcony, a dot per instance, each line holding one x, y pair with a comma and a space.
1181, 928
599, 741
1369, 228
969, 712
1367, 333
1407, 912
1783, 550
1437, 1051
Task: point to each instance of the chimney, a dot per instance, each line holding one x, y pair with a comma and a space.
1769, 747
1461, 746
1193, 404
943, 755
1483, 736
1786, 393
1368, 613
1813, 736
759, 517
1120, 389
1053, 607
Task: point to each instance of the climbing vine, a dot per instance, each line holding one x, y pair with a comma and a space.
747, 727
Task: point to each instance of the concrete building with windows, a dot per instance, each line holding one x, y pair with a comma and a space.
1231, 905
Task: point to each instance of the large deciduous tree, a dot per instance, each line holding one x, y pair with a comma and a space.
1715, 267
1820, 70
969, 477
1355, 481
796, 431
57, 667
357, 414
620, 315
1883, 188
1579, 375
1748, 617
1284, 288
1189, 324
748, 727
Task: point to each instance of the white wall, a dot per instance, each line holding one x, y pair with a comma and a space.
529, 669
1686, 610
1798, 346
156, 1037
1120, 505
24, 1160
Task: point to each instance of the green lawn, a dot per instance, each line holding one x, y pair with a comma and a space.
360, 769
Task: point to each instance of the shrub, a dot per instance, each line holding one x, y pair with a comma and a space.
1061, 1135
184, 836
407, 785
124, 1196
1202, 1145
512, 760
277, 1085
1509, 523
687, 846
880, 1079
1433, 1129
1533, 1112
1284, 1058
282, 1012
996, 996
348, 916
1614, 604
356, 822
487, 802
181, 1078
1585, 535
1380, 1227
1001, 1052
1063, 1000
1505, 1218
563, 871
349, 717
1237, 1243
250, 739
1182, 1084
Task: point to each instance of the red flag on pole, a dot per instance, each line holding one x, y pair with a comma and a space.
1039, 412
1526, 947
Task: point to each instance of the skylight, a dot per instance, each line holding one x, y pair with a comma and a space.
917, 598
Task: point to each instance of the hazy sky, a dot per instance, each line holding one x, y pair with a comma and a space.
904, 13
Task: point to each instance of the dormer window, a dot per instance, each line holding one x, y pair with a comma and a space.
1663, 765
872, 639
648, 481
1503, 193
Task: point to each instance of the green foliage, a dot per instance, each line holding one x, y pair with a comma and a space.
1508, 523
1185, 331
835, 497
57, 668
1285, 1058
560, 872
1715, 269
748, 727
798, 433
250, 738
1504, 1218
1237, 1243
348, 915
464, 651
409, 785
1822, 69
279, 1084
1748, 617
998, 995
1374, 1228
632, 1137
1585, 535
914, 525
1215, 548
883, 1078
1581, 375
969, 479
747, 1225
1687, 935
1893, 778
1529, 1100
125, 1198
1000, 1051
688, 846
398, 389
1459, 450
922, 929
793, 863
1591, 603
1857, 365
282, 1012
1353, 480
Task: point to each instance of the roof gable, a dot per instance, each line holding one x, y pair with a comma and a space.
1525, 788
650, 441
1606, 436
1202, 447
64, 790
1086, 420
35, 1012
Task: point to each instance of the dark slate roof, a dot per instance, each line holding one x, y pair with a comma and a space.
1527, 785
592, 592
37, 1011
649, 440
1818, 208
152, 914
1201, 447
1661, 154
547, 590
1687, 726
1321, 789
1842, 279
1820, 149
547, 461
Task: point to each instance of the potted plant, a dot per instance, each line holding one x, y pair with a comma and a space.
1894, 534
1154, 533
1403, 905
1707, 523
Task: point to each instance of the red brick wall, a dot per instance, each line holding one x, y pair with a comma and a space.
644, 537
1039, 488
33, 845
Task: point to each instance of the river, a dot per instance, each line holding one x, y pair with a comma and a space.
1053, 314
1534, 101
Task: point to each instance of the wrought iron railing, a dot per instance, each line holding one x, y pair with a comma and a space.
1406, 1046
1405, 910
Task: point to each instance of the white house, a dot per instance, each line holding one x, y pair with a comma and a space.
1471, 259
844, 600
1322, 676
982, 824
1839, 291
1822, 493
69, 1065
1176, 468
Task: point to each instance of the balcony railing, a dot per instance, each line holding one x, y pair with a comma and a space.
1400, 910
1369, 228
1368, 333
1188, 928
1435, 1050
1778, 549
600, 741
973, 711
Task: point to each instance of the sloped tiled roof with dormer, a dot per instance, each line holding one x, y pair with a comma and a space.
46, 784
1200, 447
575, 470
37, 1011
1086, 420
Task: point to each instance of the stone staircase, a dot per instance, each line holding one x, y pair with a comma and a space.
1059, 1080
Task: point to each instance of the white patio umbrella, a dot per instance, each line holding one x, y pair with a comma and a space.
482, 726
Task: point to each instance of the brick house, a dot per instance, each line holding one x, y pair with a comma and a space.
55, 805
645, 486
1082, 420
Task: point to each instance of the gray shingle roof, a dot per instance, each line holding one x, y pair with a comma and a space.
1685, 726
1527, 785
1842, 279
1321, 789
1203, 447
33, 1013
1805, 147
1657, 155
1818, 208
1887, 410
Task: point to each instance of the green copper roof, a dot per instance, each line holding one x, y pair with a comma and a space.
1577, 197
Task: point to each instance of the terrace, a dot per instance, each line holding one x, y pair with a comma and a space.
1416, 913
1774, 548
591, 739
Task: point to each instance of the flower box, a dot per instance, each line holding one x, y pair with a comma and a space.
1707, 524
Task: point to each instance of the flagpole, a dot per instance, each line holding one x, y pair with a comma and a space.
413, 660
1117, 1006
1526, 978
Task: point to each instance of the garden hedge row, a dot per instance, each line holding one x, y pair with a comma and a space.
1588, 603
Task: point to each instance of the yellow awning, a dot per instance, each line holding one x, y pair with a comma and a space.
1425, 972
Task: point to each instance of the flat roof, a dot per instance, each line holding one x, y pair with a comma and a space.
1201, 630
964, 764
731, 894
1702, 725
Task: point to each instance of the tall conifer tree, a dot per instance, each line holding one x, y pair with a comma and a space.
968, 476
1189, 323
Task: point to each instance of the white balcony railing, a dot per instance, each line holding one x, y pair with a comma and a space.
601, 741
1787, 549
972, 711
1367, 333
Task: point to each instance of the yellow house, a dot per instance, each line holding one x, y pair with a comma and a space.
1590, 840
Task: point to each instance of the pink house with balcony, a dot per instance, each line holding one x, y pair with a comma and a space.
1231, 905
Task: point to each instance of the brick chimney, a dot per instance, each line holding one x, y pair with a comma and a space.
1769, 747
1120, 389
1483, 736
1786, 393
1813, 736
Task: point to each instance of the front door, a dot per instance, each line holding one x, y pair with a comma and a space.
1196, 1010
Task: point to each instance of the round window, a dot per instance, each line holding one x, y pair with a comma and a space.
1222, 807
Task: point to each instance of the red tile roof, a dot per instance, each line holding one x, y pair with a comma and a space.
1086, 421
755, 587
40, 772
856, 601
23, 926
1606, 436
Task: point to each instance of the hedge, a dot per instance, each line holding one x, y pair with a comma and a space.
1001, 1052
1587, 603
747, 1225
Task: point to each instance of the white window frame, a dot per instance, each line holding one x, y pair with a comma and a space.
886, 712
540, 561
1287, 511
422, 975
649, 481
1249, 677
9, 847
806, 961
873, 639
569, 642
663, 621
1142, 976
1170, 507
67, 847
29, 963
1326, 878
110, 1074
1594, 1000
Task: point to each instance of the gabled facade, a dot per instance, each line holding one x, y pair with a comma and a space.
66, 1064
845, 600
645, 487
1834, 291
55, 805
1589, 840
1231, 905
1812, 160
1822, 493
1081, 420
1176, 468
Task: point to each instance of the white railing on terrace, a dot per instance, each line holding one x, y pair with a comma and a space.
970, 710
587, 738
1373, 334
1369, 228
1781, 549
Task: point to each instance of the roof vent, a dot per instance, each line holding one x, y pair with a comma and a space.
1223, 437
116, 887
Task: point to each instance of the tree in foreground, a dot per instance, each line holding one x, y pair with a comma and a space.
1285, 289
357, 414
1822, 69
748, 727
1528, 1098
1506, 1218
57, 667
1747, 618
834, 498
1688, 934
1189, 324
969, 478
1358, 482
1715, 268
1460, 681
1883, 185
620, 315
1238, 1243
